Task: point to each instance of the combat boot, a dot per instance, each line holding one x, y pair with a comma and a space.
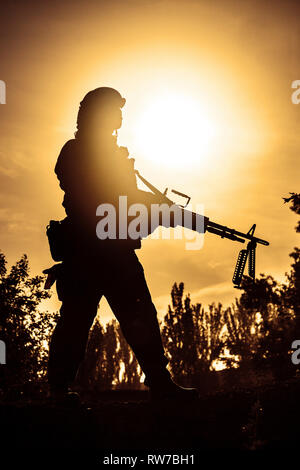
162, 387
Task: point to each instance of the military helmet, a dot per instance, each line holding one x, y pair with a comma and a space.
105, 96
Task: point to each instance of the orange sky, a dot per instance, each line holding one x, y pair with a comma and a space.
235, 60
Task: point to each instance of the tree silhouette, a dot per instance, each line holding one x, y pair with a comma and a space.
100, 368
110, 366
132, 373
250, 321
292, 290
23, 327
90, 373
294, 199
178, 334
109, 361
191, 336
265, 319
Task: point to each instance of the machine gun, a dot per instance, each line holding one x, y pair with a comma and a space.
220, 230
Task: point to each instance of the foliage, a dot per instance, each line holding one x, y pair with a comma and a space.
294, 199
109, 360
292, 289
24, 329
191, 336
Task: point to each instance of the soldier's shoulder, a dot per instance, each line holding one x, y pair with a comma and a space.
66, 153
69, 146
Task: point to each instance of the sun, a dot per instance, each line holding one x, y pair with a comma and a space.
174, 129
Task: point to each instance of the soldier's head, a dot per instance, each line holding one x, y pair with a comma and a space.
100, 112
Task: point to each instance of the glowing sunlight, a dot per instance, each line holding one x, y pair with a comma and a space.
174, 128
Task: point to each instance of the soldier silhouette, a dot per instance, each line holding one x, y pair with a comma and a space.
92, 169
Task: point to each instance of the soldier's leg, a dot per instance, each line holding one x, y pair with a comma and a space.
68, 342
130, 300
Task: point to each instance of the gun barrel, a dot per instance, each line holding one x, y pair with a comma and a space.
223, 234
226, 232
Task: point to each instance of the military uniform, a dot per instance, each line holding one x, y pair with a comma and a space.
93, 268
